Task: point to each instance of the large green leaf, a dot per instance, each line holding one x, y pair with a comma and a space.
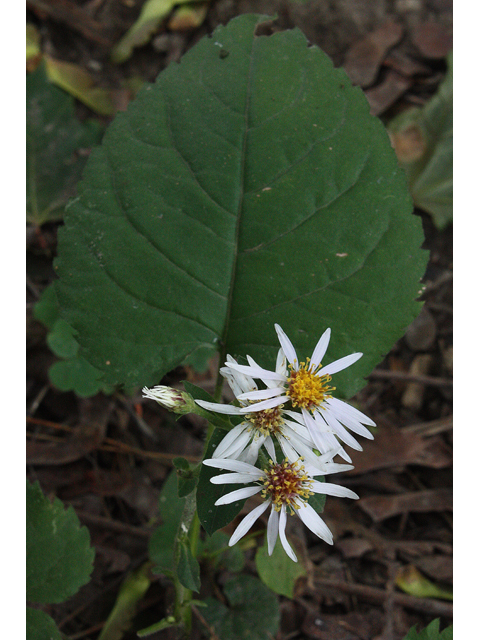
249, 185
59, 556
57, 148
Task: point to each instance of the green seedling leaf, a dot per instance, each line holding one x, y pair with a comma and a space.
211, 516
160, 546
220, 203
57, 148
423, 139
216, 550
79, 83
167, 622
432, 632
133, 588
188, 569
59, 556
40, 626
410, 580
253, 611
151, 17
278, 571
73, 373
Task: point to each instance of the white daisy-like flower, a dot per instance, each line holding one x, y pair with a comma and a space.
306, 386
261, 427
286, 488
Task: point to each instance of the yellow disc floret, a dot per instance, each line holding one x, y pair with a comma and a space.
268, 421
286, 483
307, 389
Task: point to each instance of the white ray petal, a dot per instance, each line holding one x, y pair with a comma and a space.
342, 363
233, 465
281, 364
224, 445
329, 489
264, 404
270, 447
219, 408
262, 394
347, 409
231, 478
312, 520
272, 531
236, 447
239, 494
340, 430
250, 454
247, 523
282, 522
287, 346
258, 372
321, 348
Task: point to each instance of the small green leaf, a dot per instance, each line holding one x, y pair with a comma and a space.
220, 203
187, 477
188, 569
57, 148
211, 516
59, 556
432, 632
160, 546
253, 614
215, 548
40, 626
198, 393
278, 571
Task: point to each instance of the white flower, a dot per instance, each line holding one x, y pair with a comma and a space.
259, 428
306, 386
285, 487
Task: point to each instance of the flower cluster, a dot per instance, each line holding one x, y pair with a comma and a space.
295, 413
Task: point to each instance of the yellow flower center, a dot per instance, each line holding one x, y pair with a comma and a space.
268, 421
306, 388
286, 483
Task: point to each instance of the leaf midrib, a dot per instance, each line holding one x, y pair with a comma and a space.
223, 341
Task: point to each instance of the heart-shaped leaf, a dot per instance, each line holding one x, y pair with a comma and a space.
249, 185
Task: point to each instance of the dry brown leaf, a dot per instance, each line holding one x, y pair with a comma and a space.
393, 447
381, 507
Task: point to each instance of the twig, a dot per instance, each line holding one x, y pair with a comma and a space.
113, 525
383, 374
432, 427
211, 630
379, 596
